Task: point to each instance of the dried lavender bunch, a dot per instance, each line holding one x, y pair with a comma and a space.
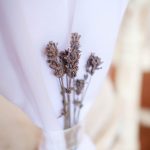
65, 65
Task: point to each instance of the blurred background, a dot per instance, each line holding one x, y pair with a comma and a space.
131, 68
128, 82
130, 71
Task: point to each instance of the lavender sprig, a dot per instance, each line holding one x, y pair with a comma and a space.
65, 65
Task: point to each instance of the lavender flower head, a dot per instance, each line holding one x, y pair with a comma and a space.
70, 57
79, 86
93, 64
52, 59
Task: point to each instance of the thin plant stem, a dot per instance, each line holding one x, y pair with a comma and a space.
74, 109
64, 103
76, 119
70, 87
86, 89
82, 98
69, 103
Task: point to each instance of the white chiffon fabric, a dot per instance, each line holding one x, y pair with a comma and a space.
25, 29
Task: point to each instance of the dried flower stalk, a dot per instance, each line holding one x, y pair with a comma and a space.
65, 65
